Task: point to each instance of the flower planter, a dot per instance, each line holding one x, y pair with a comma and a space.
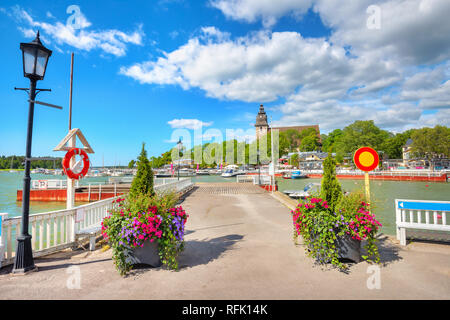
348, 248
148, 254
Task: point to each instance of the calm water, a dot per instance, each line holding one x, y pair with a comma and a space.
11, 182
383, 193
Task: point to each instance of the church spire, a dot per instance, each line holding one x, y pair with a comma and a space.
261, 118
261, 124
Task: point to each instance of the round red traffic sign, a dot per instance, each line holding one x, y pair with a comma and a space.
366, 159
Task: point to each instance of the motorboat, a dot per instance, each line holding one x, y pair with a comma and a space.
298, 175
229, 173
306, 192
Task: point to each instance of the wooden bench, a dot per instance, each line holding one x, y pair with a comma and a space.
92, 233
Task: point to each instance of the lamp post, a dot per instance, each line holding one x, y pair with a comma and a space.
34, 57
179, 146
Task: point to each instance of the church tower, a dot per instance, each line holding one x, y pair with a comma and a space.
261, 124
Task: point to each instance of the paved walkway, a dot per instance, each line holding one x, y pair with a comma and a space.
238, 246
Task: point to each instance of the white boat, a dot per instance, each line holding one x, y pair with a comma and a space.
229, 173
306, 192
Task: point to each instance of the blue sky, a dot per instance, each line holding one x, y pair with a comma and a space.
145, 69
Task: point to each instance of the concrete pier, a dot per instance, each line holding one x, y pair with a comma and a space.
239, 245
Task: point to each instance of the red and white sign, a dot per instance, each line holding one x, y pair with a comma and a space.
366, 159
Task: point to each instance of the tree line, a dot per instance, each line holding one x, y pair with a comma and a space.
18, 162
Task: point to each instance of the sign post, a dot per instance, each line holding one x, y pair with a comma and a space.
366, 159
67, 144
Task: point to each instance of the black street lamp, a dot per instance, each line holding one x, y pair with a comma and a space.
35, 57
179, 147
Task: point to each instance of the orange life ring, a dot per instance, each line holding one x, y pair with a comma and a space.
66, 163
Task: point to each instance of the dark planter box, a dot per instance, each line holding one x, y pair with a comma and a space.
147, 255
348, 249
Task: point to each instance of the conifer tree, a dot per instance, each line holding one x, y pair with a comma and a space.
331, 189
143, 181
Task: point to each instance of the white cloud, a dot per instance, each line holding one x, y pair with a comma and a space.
262, 67
110, 41
394, 75
188, 124
269, 11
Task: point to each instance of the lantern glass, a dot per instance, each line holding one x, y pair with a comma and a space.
29, 55
41, 62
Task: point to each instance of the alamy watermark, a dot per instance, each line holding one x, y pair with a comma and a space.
374, 280
75, 20
74, 280
373, 21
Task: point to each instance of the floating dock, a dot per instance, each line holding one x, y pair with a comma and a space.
82, 193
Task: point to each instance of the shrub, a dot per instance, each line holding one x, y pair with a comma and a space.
143, 181
331, 190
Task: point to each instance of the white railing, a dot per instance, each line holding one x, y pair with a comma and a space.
49, 184
52, 231
420, 214
160, 181
409, 173
244, 178
3, 216
263, 179
174, 186
56, 230
58, 184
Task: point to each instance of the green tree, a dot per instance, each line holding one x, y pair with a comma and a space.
294, 160
392, 146
431, 142
143, 181
330, 140
309, 143
331, 190
131, 164
361, 134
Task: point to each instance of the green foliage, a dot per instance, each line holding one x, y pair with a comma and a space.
393, 145
331, 190
17, 162
431, 142
309, 143
143, 181
361, 134
329, 141
131, 164
294, 160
